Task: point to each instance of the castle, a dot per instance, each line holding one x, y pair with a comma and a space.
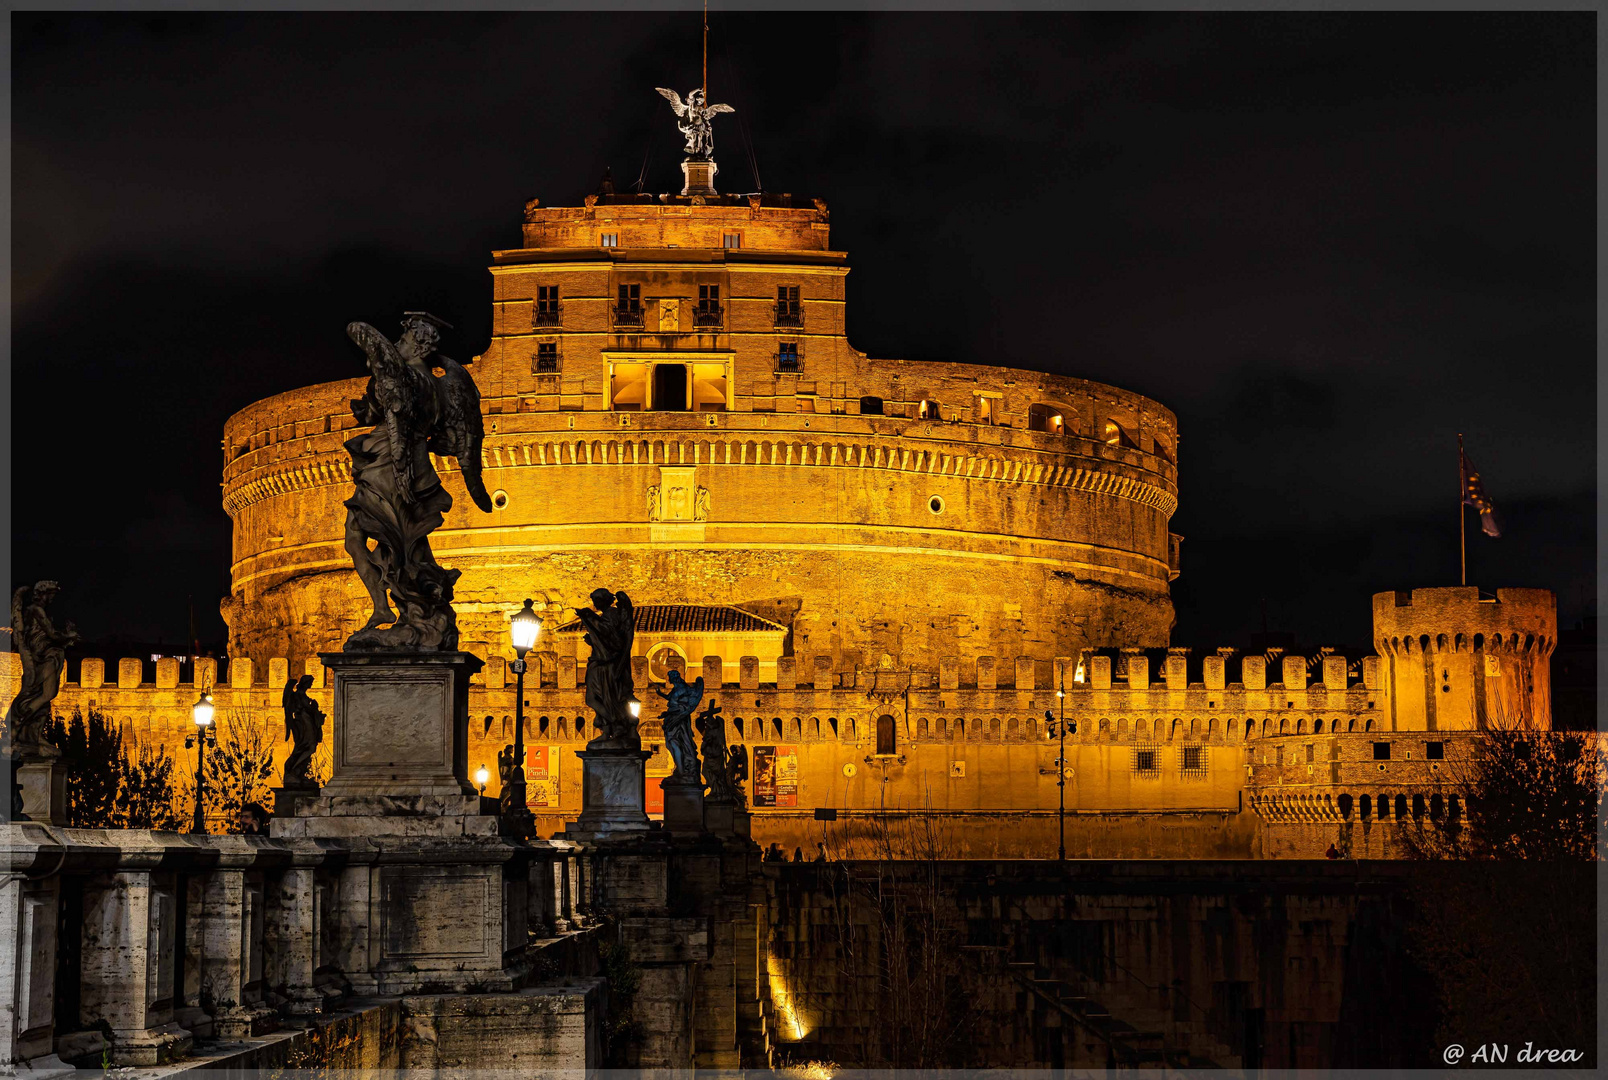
897, 578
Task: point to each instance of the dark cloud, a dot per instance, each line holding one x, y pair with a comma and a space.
1329, 242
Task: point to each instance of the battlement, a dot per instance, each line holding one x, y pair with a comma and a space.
1460, 619
549, 669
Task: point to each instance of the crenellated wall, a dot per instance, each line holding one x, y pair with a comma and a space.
1170, 750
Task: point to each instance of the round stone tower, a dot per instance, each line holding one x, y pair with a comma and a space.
672, 408
1454, 661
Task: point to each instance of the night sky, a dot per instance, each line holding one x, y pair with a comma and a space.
1328, 242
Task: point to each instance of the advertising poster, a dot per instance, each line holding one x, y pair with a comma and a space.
655, 796
775, 776
541, 777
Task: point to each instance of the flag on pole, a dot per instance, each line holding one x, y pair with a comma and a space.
1474, 495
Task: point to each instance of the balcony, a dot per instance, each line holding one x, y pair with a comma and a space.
547, 316
788, 315
787, 362
708, 317
628, 318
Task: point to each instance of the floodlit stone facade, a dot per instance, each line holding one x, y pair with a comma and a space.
886, 571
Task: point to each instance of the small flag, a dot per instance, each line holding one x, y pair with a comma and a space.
1474, 495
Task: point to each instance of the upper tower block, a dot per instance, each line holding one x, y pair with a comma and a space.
730, 222
1457, 662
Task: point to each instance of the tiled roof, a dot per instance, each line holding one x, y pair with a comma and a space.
691, 619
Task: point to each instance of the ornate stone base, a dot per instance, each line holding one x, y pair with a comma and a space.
44, 791
683, 807
401, 724
698, 177
613, 795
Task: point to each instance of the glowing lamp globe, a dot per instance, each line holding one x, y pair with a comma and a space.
524, 628
202, 711
481, 777
636, 708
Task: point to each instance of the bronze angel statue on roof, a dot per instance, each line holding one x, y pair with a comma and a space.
695, 117
398, 500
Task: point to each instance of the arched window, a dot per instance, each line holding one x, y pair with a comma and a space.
886, 742
1048, 418
870, 406
1401, 807
1418, 806
1364, 807
1345, 806
929, 410
1436, 807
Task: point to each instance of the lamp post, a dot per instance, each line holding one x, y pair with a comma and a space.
481, 776
524, 628
205, 735
1059, 725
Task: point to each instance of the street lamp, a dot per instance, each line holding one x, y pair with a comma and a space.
481, 776
524, 628
205, 735
1058, 725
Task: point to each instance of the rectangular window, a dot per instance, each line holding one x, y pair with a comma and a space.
1435, 751
1144, 761
1193, 758
628, 306
788, 310
611, 239
1381, 751
987, 410
787, 356
731, 240
547, 305
546, 356
708, 313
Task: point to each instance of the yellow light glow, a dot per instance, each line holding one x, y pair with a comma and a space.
793, 1026
481, 776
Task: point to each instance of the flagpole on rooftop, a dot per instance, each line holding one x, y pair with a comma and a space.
1462, 512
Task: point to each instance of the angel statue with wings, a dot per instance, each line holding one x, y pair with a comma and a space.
44, 658
695, 117
398, 499
680, 703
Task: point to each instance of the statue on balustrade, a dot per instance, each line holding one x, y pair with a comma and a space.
505, 774
304, 728
44, 658
610, 631
712, 727
397, 499
737, 772
680, 703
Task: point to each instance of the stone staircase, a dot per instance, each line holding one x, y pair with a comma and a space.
755, 1021
1136, 1035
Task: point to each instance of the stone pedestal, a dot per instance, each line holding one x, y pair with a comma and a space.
44, 789
683, 807
401, 724
698, 177
724, 817
613, 795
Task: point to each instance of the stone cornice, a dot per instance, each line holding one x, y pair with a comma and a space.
995, 464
